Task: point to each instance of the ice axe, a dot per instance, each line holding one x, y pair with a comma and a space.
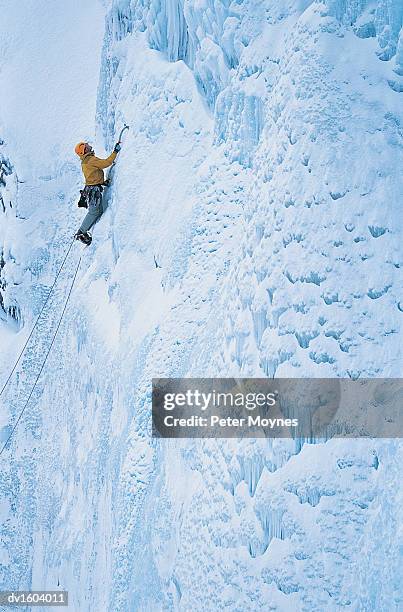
110, 174
125, 127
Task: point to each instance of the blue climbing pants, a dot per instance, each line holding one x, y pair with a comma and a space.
93, 196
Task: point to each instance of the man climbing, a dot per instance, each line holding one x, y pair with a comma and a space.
91, 195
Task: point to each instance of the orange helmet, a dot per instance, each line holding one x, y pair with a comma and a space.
81, 148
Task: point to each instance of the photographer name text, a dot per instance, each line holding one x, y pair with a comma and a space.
216, 421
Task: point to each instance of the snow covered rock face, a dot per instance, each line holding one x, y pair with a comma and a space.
9, 310
261, 172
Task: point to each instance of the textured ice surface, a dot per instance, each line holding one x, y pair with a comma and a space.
262, 173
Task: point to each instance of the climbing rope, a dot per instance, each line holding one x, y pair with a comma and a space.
46, 357
124, 128
37, 319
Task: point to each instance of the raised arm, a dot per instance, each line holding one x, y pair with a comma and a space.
104, 163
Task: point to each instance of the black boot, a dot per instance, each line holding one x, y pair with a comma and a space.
84, 237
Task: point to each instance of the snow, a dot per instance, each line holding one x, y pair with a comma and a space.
261, 172
49, 69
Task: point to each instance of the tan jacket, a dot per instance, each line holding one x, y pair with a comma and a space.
92, 167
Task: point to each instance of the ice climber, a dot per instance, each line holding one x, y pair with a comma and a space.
91, 195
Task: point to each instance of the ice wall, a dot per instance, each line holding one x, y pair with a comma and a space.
281, 100
309, 287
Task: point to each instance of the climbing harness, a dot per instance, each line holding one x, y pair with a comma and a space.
46, 357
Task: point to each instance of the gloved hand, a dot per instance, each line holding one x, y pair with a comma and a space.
117, 147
